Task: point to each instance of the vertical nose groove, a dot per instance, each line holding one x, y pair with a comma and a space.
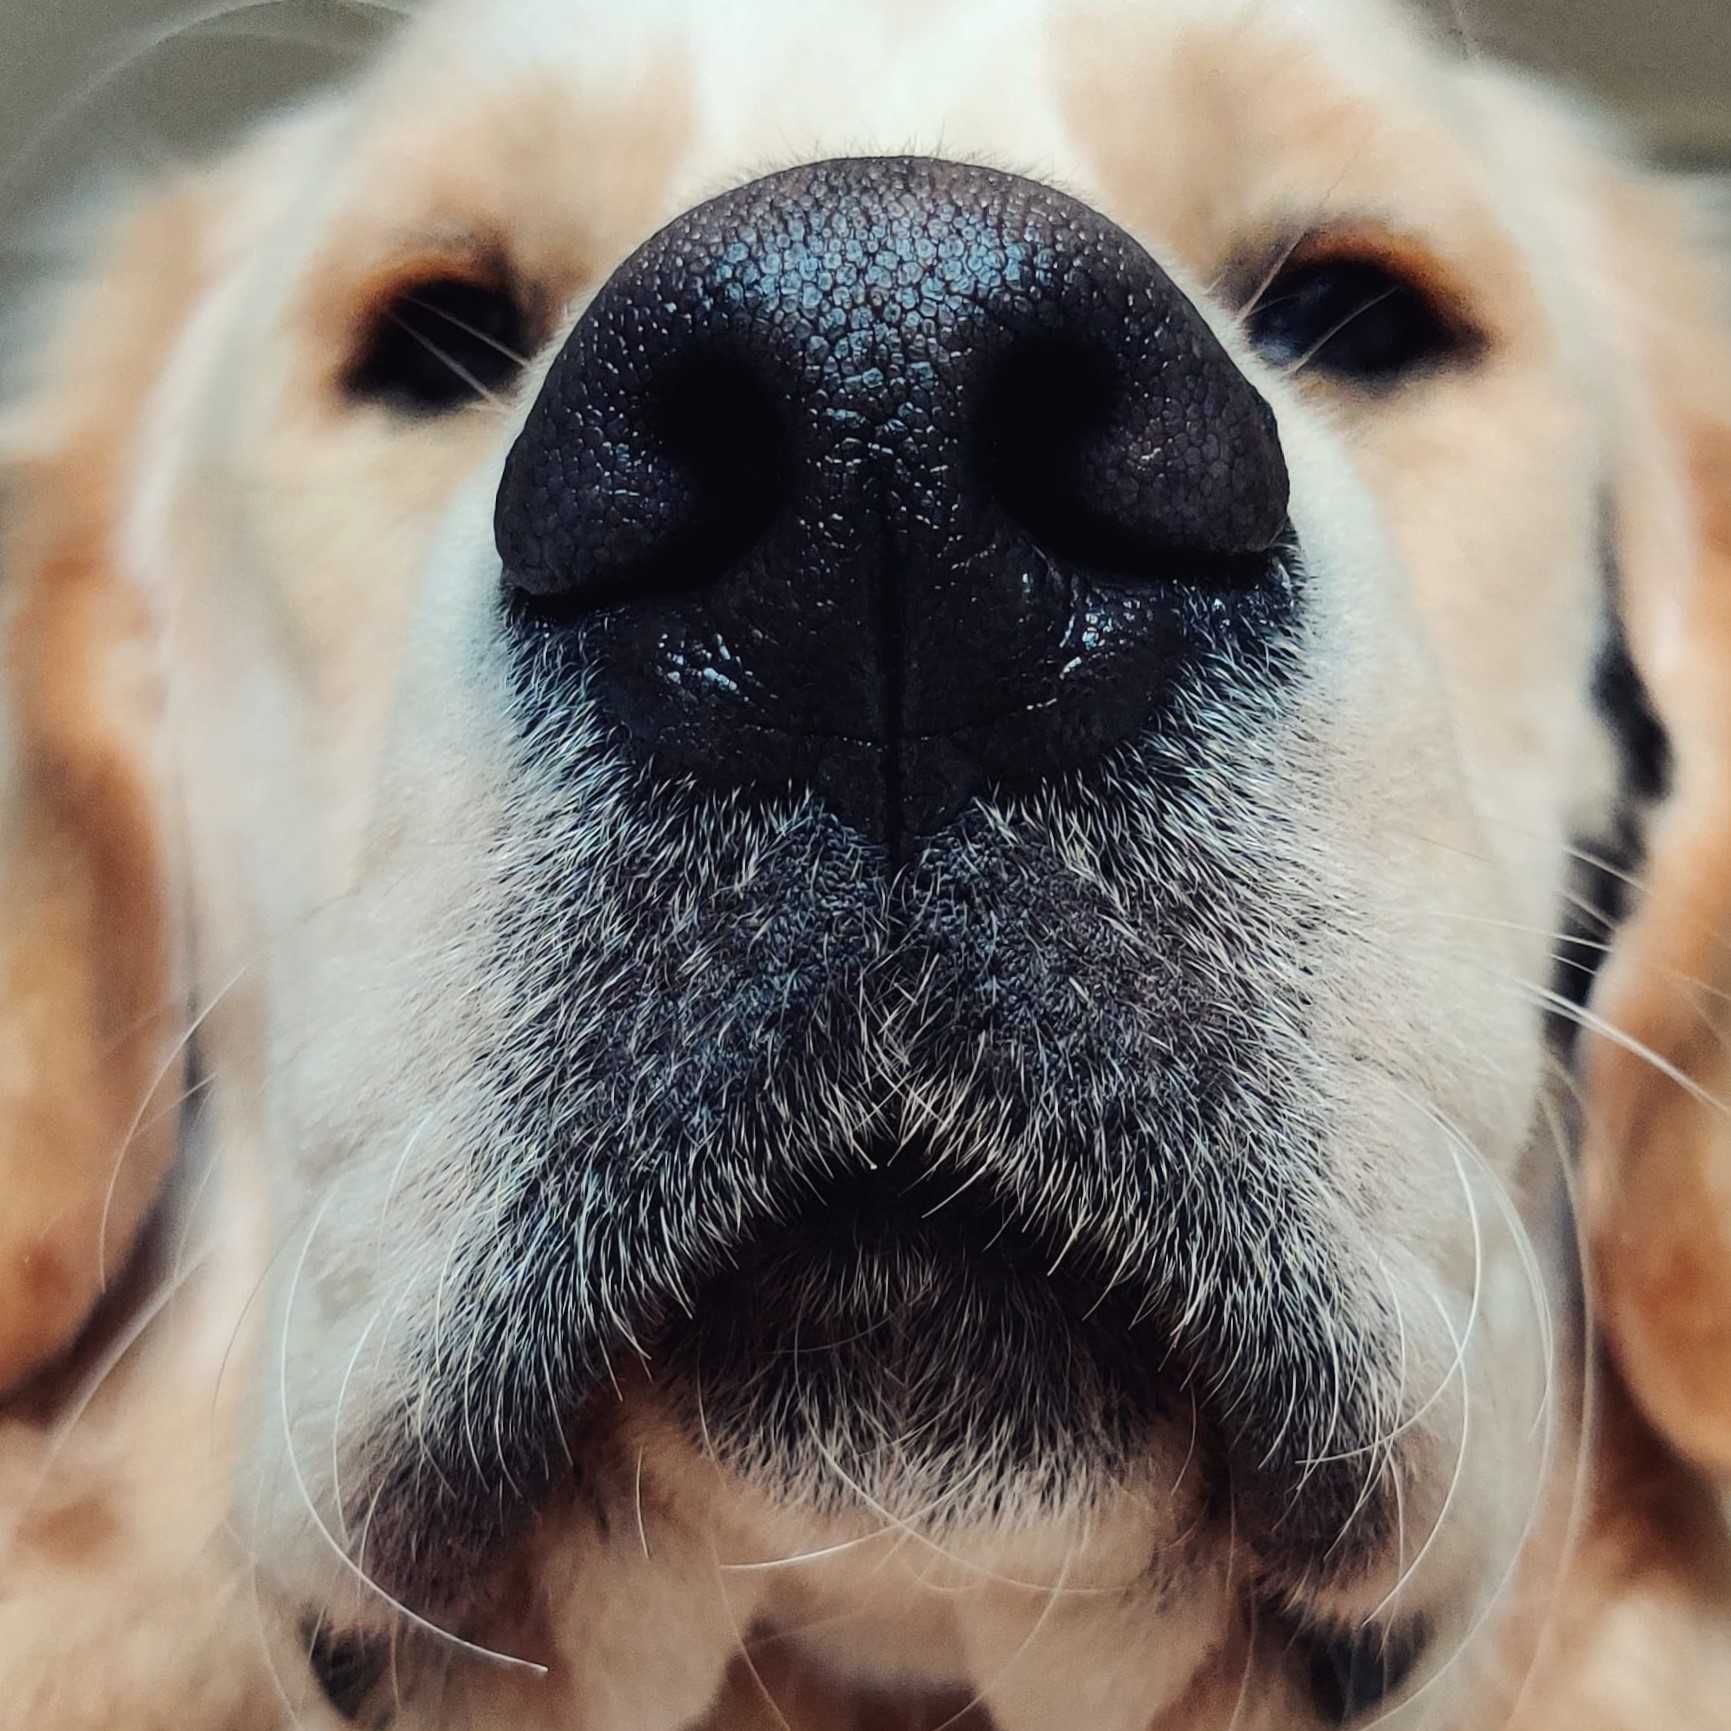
898, 481
892, 646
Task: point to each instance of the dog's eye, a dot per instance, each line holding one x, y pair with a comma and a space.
439, 345
1354, 319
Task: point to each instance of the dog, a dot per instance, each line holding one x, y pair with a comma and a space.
869, 865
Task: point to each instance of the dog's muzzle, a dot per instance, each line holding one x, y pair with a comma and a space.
898, 481
900, 1040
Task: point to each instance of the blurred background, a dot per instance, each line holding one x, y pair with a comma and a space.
87, 82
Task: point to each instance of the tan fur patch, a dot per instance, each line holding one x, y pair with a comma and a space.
1659, 1151
89, 980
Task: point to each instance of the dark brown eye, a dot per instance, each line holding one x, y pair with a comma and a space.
439, 345
1355, 319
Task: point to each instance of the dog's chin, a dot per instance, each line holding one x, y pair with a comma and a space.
895, 1344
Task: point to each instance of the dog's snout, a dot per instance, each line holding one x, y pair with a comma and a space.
895, 480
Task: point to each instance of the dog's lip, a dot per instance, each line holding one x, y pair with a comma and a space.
902, 1199
879, 1276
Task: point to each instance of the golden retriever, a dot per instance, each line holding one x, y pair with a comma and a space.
868, 864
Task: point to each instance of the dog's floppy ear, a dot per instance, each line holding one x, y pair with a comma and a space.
91, 995
1657, 1180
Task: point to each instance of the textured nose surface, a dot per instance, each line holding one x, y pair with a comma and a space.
896, 480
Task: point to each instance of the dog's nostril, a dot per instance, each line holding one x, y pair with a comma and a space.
718, 421
1049, 437
1045, 408
711, 448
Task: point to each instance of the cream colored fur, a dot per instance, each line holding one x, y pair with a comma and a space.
249, 629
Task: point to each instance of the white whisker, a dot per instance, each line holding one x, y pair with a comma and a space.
349, 1566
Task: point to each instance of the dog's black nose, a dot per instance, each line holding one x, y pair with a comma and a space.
897, 480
